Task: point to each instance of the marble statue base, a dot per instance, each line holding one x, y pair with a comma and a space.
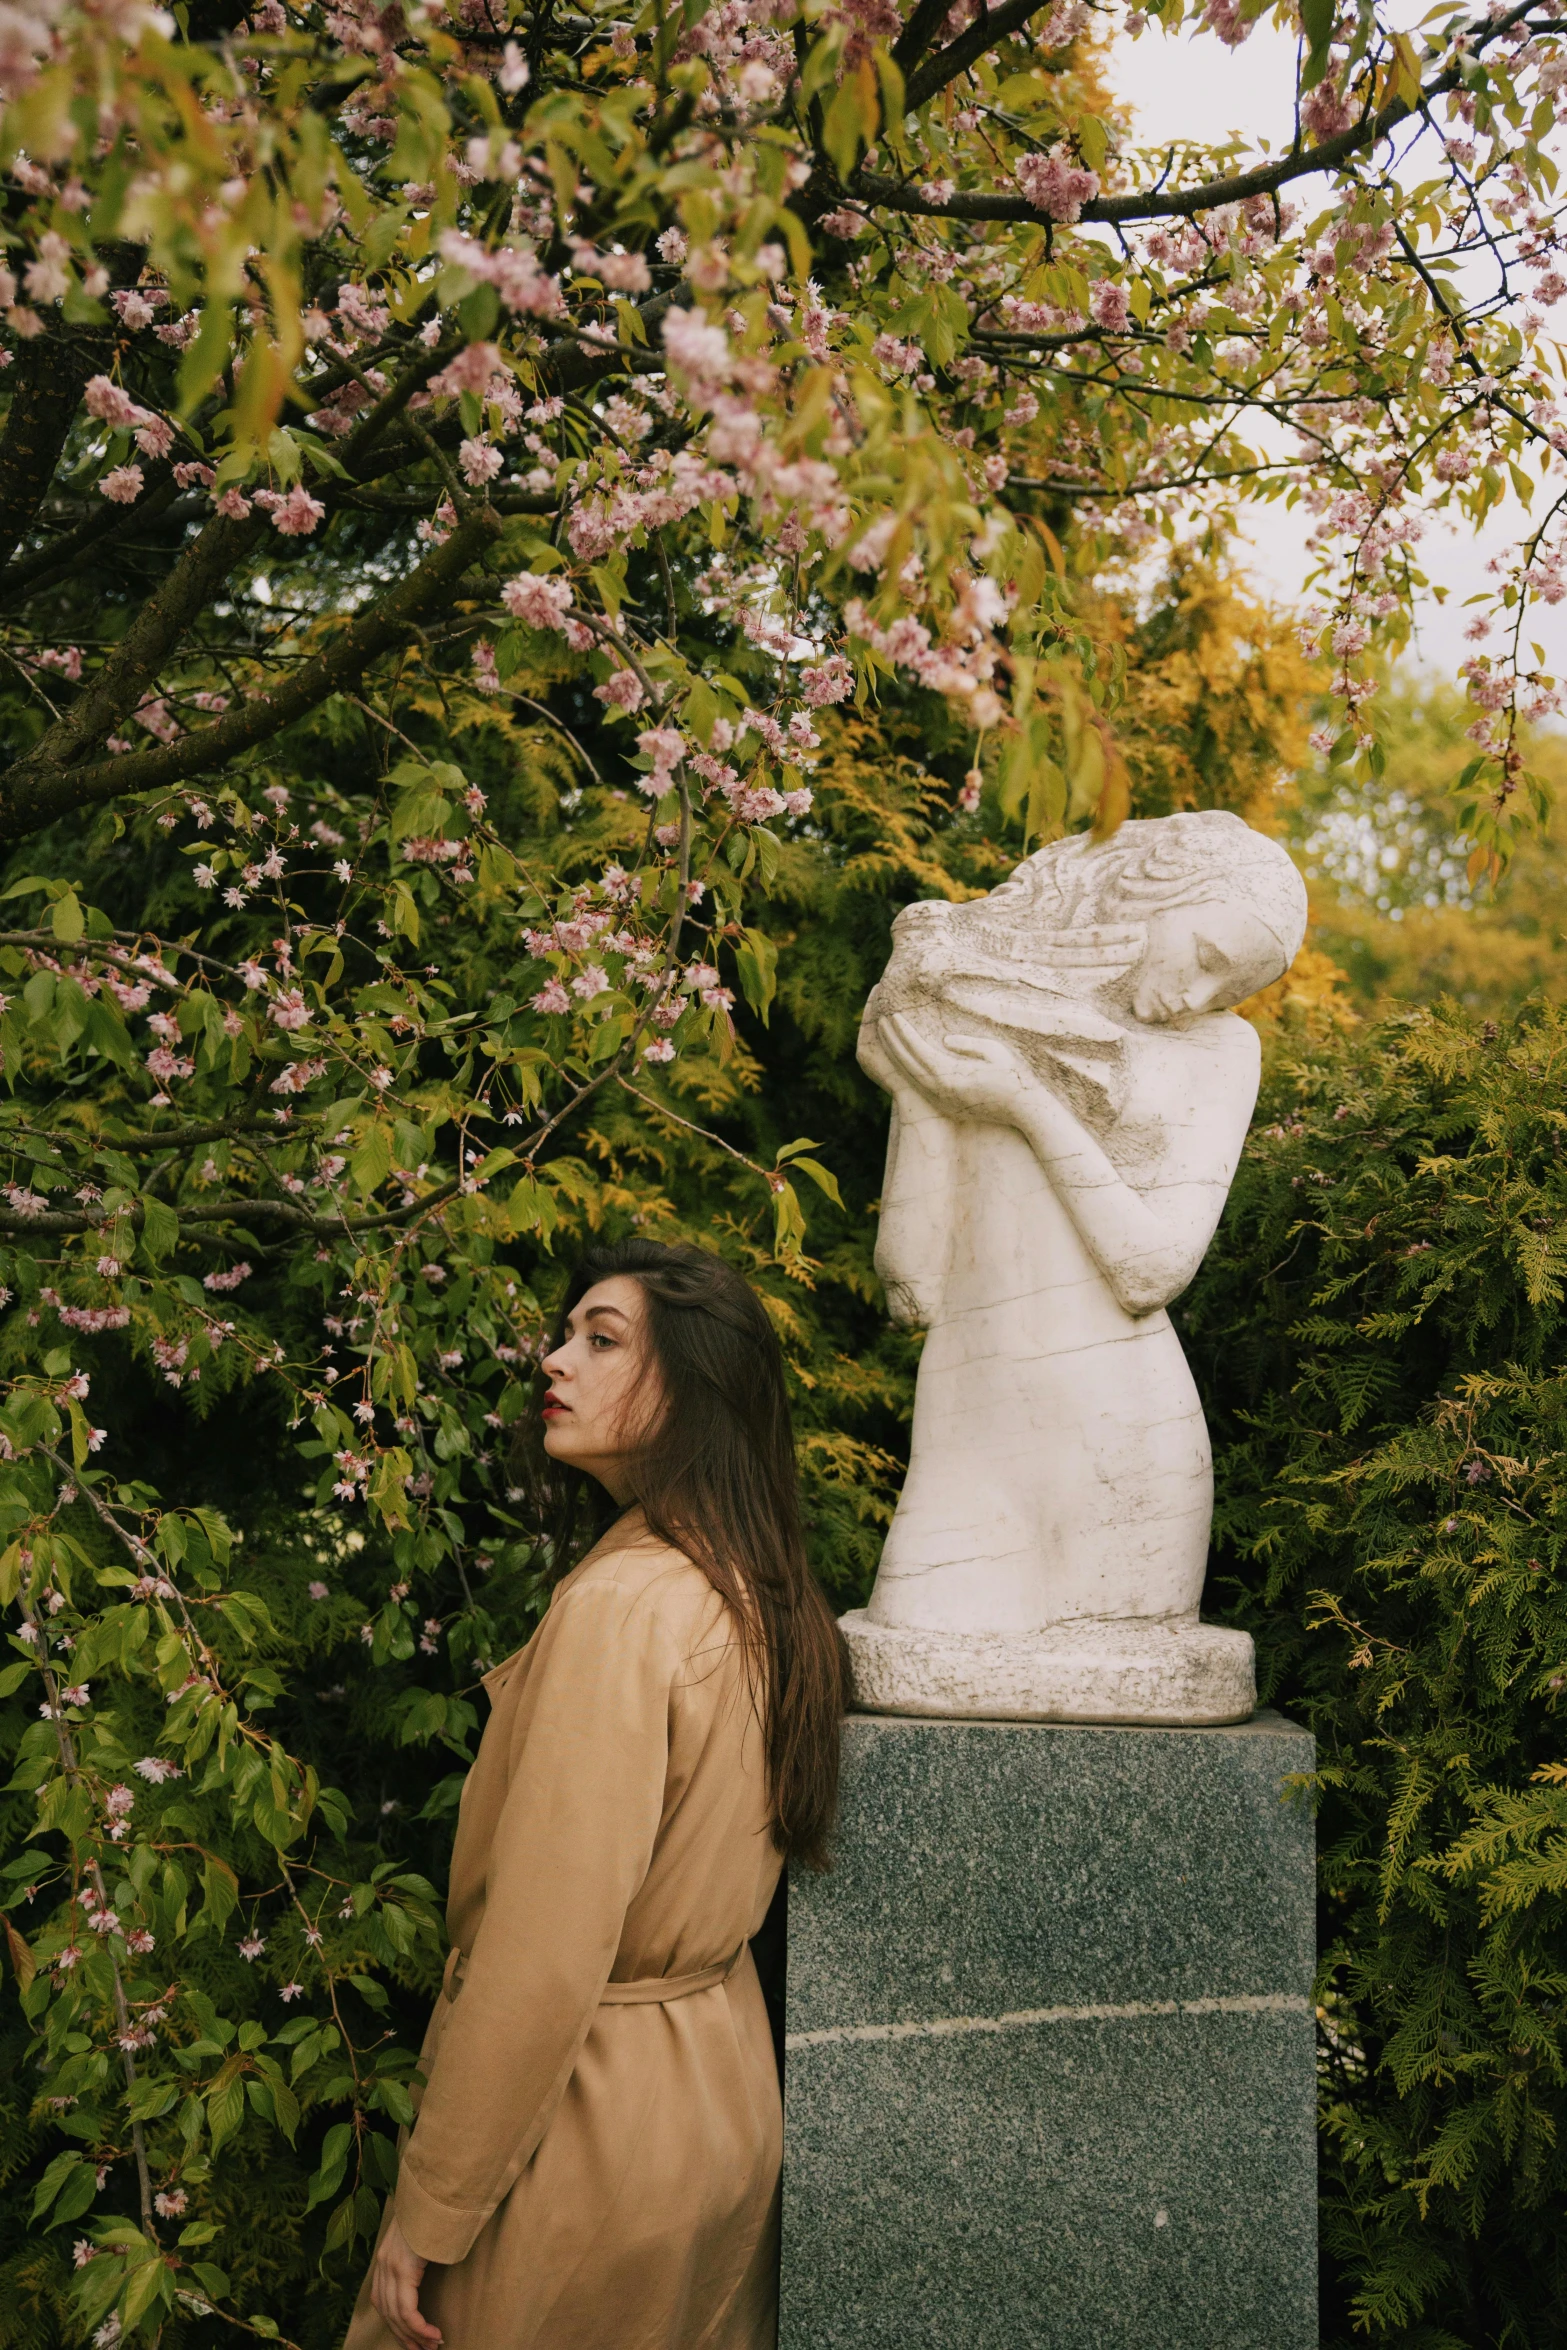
1139, 1671
1050, 2069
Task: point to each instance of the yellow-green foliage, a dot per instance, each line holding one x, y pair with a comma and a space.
1378, 858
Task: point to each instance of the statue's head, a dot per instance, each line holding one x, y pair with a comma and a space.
1174, 915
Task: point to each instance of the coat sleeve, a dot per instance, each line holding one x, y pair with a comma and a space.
571, 1848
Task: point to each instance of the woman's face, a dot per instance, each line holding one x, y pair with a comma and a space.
1202, 959
604, 1392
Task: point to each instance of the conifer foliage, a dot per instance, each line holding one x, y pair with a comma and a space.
1379, 1333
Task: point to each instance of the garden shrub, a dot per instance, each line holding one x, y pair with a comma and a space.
1378, 1333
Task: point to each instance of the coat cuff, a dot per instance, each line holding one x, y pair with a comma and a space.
438, 2231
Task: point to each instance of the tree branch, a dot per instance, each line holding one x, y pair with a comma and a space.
1146, 204
924, 24
119, 685
50, 562
39, 789
997, 24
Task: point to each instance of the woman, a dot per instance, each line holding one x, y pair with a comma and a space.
1071, 1094
595, 2160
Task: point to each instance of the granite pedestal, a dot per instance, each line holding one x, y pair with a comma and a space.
1050, 2051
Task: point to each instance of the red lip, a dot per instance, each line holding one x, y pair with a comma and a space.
553, 1404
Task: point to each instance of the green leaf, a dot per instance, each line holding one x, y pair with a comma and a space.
1318, 18
65, 918
822, 1177
756, 960
852, 117
160, 1227
372, 1161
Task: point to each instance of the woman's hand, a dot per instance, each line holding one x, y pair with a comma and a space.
964, 1076
395, 2277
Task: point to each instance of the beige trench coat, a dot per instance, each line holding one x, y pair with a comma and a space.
596, 2155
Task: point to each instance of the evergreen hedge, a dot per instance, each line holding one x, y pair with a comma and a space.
1378, 1332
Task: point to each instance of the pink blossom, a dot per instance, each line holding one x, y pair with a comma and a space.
537, 601
290, 1010
362, 310
154, 437
1224, 18
663, 1050
471, 370
699, 351
623, 691
137, 306
252, 1946
123, 485
229, 1280
296, 515
665, 746
110, 402
552, 998
485, 674
153, 1768
480, 460
625, 273
1324, 113
831, 680
170, 2204
233, 505
1109, 305
1057, 185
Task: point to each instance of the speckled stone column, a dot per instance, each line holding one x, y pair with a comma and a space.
1050, 2051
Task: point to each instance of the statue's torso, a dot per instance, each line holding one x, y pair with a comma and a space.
1060, 1461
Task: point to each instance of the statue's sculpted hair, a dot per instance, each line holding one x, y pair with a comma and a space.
1201, 857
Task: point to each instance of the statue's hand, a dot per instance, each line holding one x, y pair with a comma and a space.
963, 1076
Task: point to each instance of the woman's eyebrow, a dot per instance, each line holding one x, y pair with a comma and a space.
594, 1311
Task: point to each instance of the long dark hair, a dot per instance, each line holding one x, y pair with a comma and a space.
716, 1480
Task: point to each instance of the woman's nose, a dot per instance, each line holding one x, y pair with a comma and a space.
553, 1365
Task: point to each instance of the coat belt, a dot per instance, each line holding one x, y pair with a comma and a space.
651, 1991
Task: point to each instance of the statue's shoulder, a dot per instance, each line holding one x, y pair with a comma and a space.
1214, 1037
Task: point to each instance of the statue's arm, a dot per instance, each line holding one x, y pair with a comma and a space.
1148, 1249
915, 1233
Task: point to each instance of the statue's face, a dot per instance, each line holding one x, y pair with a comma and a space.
1202, 959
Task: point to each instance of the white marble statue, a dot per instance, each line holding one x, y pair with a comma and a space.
1070, 1095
